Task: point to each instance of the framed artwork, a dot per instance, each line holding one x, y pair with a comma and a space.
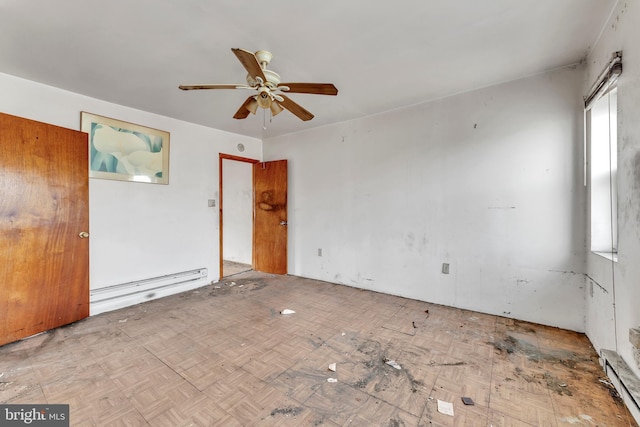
126, 151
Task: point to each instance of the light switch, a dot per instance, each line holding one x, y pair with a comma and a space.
212, 203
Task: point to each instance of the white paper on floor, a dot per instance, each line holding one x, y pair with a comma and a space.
392, 363
287, 311
445, 407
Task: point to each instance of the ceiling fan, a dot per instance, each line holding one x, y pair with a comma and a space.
267, 84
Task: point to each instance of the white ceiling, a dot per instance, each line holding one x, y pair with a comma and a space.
380, 55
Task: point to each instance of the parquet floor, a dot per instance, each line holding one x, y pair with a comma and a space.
231, 268
224, 355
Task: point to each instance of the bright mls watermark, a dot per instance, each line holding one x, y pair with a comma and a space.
34, 415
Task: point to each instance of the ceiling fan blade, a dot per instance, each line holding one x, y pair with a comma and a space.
250, 63
230, 86
248, 106
296, 109
314, 88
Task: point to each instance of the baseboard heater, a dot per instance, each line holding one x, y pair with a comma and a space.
123, 295
624, 380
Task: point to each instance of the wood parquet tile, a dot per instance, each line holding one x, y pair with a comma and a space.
223, 355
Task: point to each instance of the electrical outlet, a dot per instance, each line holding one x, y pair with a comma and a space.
445, 268
211, 203
319, 251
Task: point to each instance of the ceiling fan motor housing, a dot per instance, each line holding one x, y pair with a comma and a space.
273, 79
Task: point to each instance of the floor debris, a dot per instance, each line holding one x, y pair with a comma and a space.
468, 401
606, 382
371, 392
392, 363
122, 321
332, 367
575, 420
332, 380
289, 411
287, 311
445, 407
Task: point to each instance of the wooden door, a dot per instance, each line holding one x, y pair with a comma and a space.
44, 206
270, 217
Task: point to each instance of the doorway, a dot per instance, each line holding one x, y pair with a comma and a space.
236, 214
253, 215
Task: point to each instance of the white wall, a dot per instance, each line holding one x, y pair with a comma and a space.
604, 321
138, 230
237, 210
489, 181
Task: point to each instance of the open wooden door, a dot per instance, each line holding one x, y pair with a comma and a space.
44, 220
270, 217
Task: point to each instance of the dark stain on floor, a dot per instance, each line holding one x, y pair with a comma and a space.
289, 411
583, 364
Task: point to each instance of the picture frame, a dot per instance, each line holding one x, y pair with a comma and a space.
126, 151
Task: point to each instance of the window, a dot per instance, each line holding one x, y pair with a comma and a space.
602, 127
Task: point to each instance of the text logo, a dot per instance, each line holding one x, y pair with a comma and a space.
34, 415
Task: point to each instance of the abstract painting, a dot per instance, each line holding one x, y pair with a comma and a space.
126, 151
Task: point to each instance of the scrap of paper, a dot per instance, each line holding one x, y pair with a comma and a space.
445, 407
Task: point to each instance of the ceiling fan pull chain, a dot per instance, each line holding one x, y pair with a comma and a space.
264, 119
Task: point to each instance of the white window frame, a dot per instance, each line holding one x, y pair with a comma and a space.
602, 128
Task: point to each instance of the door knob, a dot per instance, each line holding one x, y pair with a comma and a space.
83, 235
283, 222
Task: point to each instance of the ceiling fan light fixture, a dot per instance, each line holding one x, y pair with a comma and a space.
264, 98
275, 108
252, 106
